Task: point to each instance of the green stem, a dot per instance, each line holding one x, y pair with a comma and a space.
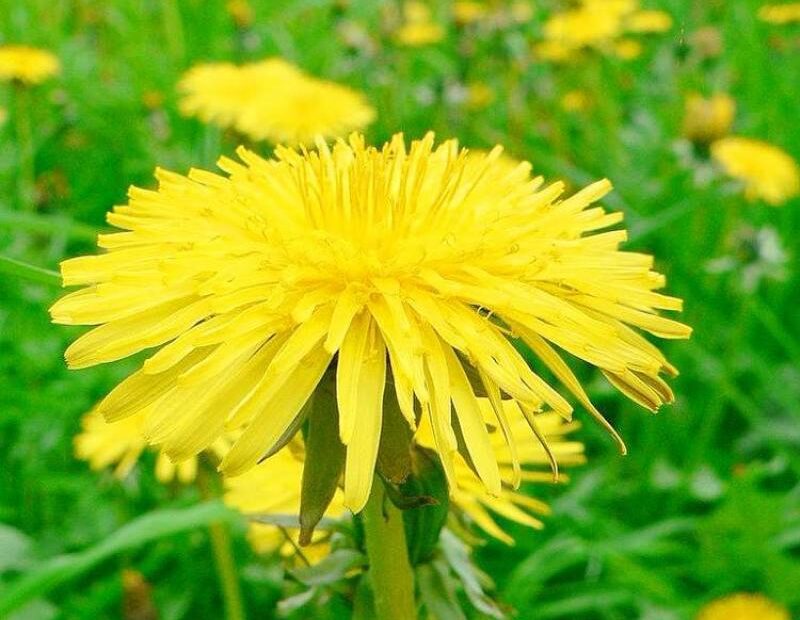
26, 187
50, 224
389, 568
223, 557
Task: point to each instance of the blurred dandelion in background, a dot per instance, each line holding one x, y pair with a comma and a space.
767, 172
418, 26
272, 100
28, 65
743, 607
780, 13
708, 118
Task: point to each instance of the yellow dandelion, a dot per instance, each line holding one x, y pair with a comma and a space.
411, 262
643, 22
618, 8
743, 607
780, 14
552, 51
418, 27
627, 49
583, 27
279, 475
521, 11
272, 100
768, 173
29, 65
708, 119
419, 33
241, 12
575, 101
529, 463
120, 444
469, 11
480, 95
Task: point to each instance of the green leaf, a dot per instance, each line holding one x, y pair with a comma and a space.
149, 527
472, 578
15, 549
333, 568
325, 456
437, 591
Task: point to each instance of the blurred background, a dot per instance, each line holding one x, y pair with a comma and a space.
707, 502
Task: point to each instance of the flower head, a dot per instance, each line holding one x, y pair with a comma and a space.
417, 267
280, 474
27, 64
272, 100
768, 173
103, 444
780, 13
418, 27
708, 119
743, 607
528, 462
644, 22
469, 11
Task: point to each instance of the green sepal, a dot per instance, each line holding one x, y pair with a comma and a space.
394, 453
424, 523
325, 456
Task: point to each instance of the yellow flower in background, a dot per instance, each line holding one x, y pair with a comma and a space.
469, 11
521, 11
575, 101
480, 95
120, 444
708, 119
412, 259
780, 14
552, 51
272, 100
743, 607
627, 49
599, 25
643, 22
27, 64
530, 463
241, 11
272, 488
768, 173
418, 27
583, 27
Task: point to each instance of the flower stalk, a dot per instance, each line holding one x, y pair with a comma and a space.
389, 568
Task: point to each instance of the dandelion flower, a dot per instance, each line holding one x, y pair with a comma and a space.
279, 474
480, 95
415, 263
627, 49
241, 12
780, 14
743, 607
29, 65
583, 27
644, 22
469, 11
530, 463
272, 100
708, 119
768, 173
103, 444
575, 101
418, 27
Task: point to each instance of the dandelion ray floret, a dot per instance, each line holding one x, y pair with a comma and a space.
418, 262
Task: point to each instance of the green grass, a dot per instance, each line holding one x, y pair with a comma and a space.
707, 502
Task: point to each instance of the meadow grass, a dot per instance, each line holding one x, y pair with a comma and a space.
708, 500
